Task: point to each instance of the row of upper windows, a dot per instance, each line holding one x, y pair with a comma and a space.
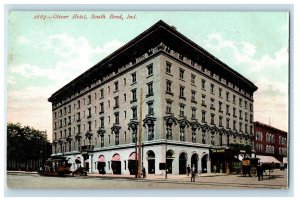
212, 117
193, 92
77, 117
193, 78
116, 84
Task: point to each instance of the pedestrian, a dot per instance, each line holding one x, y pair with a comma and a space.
193, 174
188, 170
258, 171
144, 172
262, 172
215, 168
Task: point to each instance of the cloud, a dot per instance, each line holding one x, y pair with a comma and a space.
23, 40
268, 72
27, 100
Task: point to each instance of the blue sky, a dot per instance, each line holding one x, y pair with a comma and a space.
44, 55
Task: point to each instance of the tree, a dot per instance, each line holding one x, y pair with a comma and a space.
26, 144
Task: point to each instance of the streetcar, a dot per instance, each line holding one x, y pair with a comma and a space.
55, 166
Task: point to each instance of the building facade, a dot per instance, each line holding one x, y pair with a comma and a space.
270, 141
193, 105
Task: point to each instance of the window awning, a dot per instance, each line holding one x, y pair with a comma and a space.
267, 159
116, 158
101, 159
132, 156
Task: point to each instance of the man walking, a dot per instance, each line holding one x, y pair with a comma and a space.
193, 174
188, 170
258, 171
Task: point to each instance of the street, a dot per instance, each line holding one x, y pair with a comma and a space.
23, 180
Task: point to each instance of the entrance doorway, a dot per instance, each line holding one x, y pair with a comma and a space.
151, 162
116, 164
182, 163
194, 161
170, 157
204, 163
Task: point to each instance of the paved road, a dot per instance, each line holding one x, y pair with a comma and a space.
21, 180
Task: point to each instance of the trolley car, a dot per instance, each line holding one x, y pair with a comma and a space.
55, 166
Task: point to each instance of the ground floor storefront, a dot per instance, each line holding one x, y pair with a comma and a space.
154, 156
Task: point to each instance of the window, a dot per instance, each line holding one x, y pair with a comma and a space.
193, 77
227, 122
220, 107
124, 114
90, 125
194, 134
246, 104
133, 97
182, 134
168, 67
78, 104
116, 102
234, 115
124, 81
203, 84
101, 93
193, 112
246, 128
240, 112
65, 121
150, 108
124, 97
181, 110
169, 106
69, 108
234, 125
150, 69
90, 113
116, 86
203, 116
150, 89
169, 87
102, 122
181, 95
220, 92
212, 86
101, 108
169, 132
65, 110
212, 119
133, 75
108, 89
134, 112
213, 140
227, 109
55, 115
251, 108
203, 100
117, 138
233, 99
240, 102
78, 128
246, 116
193, 98
102, 141
212, 103
251, 118
78, 116
227, 95
181, 73
240, 126
150, 132
117, 117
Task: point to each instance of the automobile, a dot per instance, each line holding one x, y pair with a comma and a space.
81, 171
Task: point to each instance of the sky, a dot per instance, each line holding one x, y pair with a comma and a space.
45, 54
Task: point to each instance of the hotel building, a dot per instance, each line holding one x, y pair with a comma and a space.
193, 106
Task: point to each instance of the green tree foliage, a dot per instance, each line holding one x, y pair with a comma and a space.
25, 143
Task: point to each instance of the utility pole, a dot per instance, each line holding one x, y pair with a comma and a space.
140, 133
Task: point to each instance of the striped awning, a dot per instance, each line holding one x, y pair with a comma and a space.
133, 155
116, 157
267, 159
101, 158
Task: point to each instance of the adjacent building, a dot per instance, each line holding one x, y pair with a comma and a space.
193, 106
270, 141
